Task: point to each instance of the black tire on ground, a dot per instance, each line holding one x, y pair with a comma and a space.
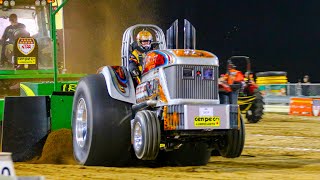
271, 73
255, 113
215, 152
148, 123
189, 154
233, 143
107, 136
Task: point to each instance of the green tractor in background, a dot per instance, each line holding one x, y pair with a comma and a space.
250, 99
36, 98
29, 69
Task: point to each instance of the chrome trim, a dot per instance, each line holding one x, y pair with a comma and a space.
81, 123
193, 101
137, 136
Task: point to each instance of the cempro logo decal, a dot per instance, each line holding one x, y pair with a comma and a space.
26, 45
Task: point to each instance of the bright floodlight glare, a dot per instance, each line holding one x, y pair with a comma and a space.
43, 2
37, 2
12, 3
6, 3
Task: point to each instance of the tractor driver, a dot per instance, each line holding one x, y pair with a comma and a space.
233, 76
140, 49
10, 34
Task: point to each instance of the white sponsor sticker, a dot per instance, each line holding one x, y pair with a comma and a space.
206, 111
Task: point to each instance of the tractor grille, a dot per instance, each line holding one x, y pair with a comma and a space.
191, 88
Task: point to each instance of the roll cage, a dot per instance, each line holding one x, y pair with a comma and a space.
129, 38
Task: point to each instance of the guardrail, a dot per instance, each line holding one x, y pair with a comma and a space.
281, 93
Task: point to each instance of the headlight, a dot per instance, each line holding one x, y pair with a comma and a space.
188, 73
208, 73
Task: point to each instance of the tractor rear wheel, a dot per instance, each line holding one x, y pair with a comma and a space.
100, 125
189, 154
232, 145
255, 113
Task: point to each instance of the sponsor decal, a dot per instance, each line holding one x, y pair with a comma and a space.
26, 60
207, 121
26, 45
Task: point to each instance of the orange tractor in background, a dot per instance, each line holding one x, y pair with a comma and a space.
250, 99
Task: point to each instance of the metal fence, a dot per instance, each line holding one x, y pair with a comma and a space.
281, 93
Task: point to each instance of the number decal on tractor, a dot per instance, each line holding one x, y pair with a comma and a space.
69, 87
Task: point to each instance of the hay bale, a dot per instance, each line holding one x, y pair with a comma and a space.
57, 149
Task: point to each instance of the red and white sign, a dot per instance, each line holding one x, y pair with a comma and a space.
316, 107
26, 45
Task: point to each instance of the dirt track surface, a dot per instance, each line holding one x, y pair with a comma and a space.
279, 147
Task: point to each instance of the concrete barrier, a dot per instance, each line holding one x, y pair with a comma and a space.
276, 108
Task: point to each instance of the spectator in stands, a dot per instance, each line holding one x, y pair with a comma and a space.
305, 86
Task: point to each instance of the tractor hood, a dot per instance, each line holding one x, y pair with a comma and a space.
191, 56
157, 58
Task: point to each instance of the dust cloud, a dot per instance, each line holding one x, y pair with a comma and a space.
93, 30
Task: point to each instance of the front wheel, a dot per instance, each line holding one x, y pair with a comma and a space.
146, 135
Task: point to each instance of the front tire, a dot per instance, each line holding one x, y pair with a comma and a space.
100, 125
146, 135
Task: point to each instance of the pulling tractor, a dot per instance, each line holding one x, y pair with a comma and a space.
173, 115
250, 98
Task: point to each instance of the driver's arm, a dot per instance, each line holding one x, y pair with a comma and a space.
4, 36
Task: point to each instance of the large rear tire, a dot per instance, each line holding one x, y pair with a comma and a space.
271, 73
100, 125
232, 145
255, 113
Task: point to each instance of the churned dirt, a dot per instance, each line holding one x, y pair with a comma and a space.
57, 149
278, 147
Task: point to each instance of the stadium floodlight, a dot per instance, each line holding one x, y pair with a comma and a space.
12, 3
6, 3
43, 2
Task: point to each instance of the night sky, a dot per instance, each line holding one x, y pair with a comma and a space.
277, 35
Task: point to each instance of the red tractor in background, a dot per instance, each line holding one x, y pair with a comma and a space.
250, 99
